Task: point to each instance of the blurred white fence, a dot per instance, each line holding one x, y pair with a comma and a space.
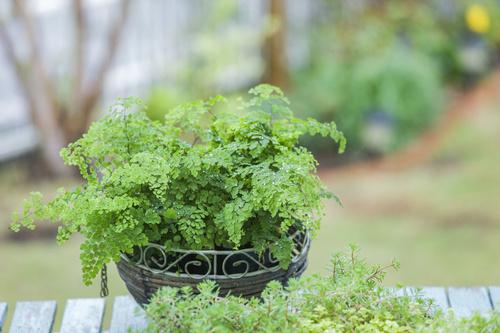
158, 36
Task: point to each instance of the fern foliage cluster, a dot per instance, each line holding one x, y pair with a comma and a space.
212, 175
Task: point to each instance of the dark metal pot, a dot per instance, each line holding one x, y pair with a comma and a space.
237, 272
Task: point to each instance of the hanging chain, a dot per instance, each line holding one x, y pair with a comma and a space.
104, 281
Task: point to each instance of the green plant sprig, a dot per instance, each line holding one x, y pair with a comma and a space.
209, 176
350, 299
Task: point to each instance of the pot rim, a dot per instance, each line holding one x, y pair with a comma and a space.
265, 263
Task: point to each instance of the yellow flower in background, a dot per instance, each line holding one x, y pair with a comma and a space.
477, 19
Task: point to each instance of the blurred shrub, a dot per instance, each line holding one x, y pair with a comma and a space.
351, 31
429, 29
386, 61
400, 82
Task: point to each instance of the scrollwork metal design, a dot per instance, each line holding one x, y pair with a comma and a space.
199, 263
216, 264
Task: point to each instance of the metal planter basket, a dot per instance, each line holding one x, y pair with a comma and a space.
238, 272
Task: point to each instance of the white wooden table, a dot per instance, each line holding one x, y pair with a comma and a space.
86, 315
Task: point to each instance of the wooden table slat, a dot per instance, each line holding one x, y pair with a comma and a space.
3, 314
83, 316
406, 291
466, 301
438, 294
33, 317
126, 314
495, 297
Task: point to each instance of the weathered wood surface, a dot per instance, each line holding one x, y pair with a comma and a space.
437, 294
33, 317
126, 314
3, 314
495, 297
466, 301
85, 315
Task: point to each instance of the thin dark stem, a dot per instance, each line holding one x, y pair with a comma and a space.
125, 121
379, 270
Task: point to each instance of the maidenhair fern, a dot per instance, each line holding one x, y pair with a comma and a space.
209, 176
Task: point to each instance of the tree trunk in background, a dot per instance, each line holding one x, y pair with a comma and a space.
276, 71
59, 121
52, 136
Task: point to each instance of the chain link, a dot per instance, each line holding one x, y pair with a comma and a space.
104, 281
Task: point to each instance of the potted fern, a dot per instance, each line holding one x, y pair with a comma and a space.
213, 192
